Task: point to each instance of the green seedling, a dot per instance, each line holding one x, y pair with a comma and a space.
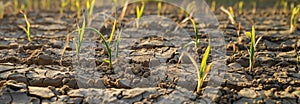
64, 3
253, 44
213, 5
44, 4
80, 31
139, 13
293, 19
73, 5
90, 6
203, 70
112, 32
254, 7
106, 42
158, 8
284, 4
197, 41
230, 15
16, 4
1, 10
27, 30
48, 4
241, 3
114, 7
28, 4
78, 8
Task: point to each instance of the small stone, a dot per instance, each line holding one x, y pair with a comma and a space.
235, 65
18, 77
19, 98
75, 101
41, 92
123, 83
99, 84
44, 60
249, 93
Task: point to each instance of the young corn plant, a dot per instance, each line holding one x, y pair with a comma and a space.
78, 8
1, 10
80, 31
27, 30
139, 13
241, 3
213, 5
203, 70
230, 15
254, 6
106, 42
64, 3
90, 7
158, 8
197, 41
293, 19
253, 44
16, 4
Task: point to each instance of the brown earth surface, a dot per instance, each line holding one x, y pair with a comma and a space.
33, 72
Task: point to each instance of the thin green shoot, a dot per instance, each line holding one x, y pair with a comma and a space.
139, 13
293, 19
73, 5
106, 43
28, 4
241, 3
231, 11
253, 44
118, 43
43, 4
64, 3
230, 15
203, 70
1, 10
27, 30
48, 4
91, 9
16, 4
114, 8
213, 5
196, 42
158, 8
112, 32
109, 61
254, 6
80, 31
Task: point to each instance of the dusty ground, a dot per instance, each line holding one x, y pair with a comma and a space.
146, 71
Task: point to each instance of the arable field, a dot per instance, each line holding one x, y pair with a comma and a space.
149, 51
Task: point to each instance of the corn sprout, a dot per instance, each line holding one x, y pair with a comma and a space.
64, 3
241, 3
230, 15
158, 8
203, 70
27, 30
293, 19
252, 47
139, 13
